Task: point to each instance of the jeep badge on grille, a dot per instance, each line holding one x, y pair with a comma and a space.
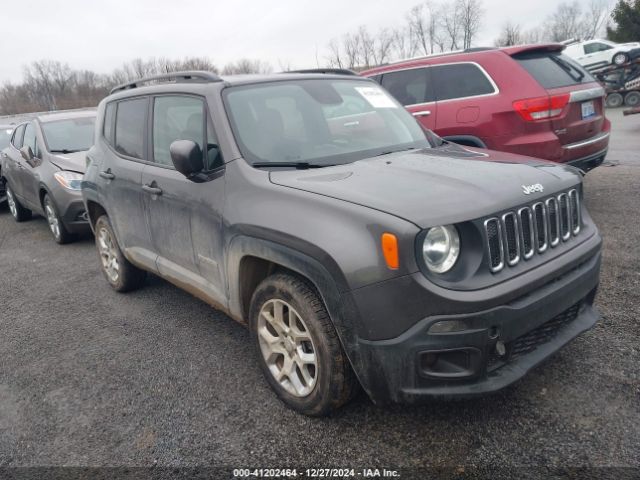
536, 187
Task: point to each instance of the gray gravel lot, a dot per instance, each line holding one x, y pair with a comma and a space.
92, 377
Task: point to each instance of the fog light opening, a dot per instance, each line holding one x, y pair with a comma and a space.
448, 326
494, 332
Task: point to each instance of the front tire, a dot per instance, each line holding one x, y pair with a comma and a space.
620, 59
121, 274
60, 233
298, 347
18, 212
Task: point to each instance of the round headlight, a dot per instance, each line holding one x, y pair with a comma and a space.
441, 248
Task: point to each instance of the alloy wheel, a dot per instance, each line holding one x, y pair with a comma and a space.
287, 347
52, 218
108, 255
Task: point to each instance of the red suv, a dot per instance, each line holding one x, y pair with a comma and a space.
531, 100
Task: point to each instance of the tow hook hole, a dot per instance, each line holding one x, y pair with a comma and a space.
493, 333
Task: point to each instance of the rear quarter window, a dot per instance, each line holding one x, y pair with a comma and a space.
553, 70
460, 80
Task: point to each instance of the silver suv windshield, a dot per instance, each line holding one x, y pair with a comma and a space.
319, 122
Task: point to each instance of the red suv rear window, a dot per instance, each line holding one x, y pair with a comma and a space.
552, 69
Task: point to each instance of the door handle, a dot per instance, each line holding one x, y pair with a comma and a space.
152, 190
107, 175
424, 113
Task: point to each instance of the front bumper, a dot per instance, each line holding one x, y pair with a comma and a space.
467, 363
74, 215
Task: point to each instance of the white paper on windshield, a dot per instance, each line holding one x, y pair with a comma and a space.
377, 97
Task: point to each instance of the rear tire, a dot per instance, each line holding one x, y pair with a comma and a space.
614, 100
121, 274
18, 212
632, 99
620, 59
298, 347
60, 233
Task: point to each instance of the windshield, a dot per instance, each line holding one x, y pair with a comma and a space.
5, 137
68, 136
319, 122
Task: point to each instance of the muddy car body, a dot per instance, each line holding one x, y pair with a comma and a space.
358, 247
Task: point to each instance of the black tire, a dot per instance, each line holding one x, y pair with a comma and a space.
129, 277
56, 226
632, 99
620, 59
614, 100
335, 383
18, 212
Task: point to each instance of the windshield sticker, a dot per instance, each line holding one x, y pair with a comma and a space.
376, 97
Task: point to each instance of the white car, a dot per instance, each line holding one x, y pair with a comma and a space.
600, 53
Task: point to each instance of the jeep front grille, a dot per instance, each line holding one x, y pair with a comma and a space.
517, 236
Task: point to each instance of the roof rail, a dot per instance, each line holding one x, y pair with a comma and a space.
334, 71
176, 77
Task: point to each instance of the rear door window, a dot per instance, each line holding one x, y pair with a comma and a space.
409, 87
17, 137
596, 47
131, 118
552, 69
460, 80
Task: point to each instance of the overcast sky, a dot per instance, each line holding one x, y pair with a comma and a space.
101, 35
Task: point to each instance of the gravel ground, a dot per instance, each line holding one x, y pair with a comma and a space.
90, 377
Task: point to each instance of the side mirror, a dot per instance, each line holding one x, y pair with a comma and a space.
186, 156
27, 153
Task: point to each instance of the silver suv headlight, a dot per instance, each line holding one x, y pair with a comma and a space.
441, 248
69, 180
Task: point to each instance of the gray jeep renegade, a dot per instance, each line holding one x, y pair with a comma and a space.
360, 249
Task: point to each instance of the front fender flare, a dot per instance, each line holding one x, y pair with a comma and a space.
339, 303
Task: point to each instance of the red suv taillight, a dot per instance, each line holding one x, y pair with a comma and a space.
541, 108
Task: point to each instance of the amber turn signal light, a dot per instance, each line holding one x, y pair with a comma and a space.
390, 250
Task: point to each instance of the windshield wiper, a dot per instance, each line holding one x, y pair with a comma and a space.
64, 150
297, 165
387, 152
573, 72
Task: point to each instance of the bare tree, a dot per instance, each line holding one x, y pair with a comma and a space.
383, 43
50, 85
510, 35
366, 45
565, 23
595, 18
533, 35
451, 22
419, 27
335, 58
351, 46
402, 43
246, 65
471, 12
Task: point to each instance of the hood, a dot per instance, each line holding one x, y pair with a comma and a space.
76, 162
431, 187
